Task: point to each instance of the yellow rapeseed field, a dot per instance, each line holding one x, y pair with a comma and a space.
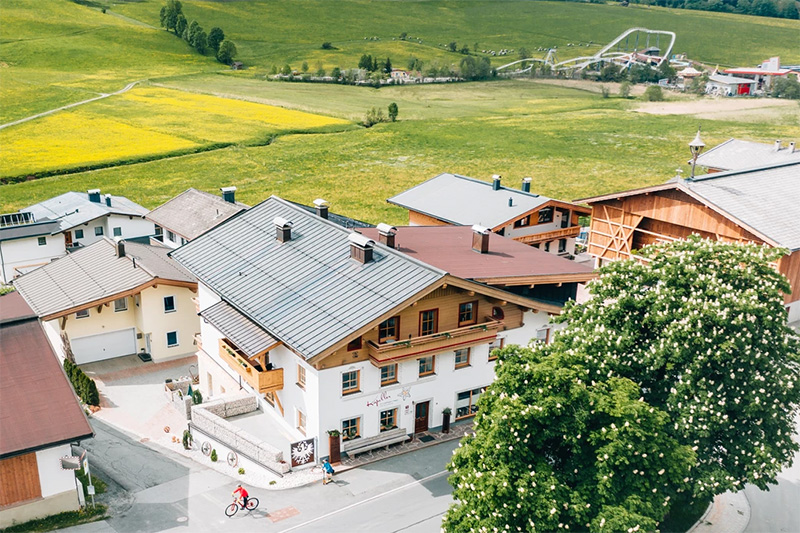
75, 138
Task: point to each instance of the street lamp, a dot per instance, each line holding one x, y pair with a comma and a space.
696, 146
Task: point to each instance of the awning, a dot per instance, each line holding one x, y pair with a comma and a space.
240, 330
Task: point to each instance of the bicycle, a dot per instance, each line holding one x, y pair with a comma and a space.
233, 508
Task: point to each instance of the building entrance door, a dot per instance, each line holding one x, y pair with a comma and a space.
421, 417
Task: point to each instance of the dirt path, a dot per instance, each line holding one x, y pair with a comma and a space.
62, 108
722, 108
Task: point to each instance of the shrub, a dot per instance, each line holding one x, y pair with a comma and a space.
92, 394
273, 482
654, 94
187, 439
393, 111
214, 455
625, 89
241, 471
197, 397
786, 88
327, 46
604, 91
373, 116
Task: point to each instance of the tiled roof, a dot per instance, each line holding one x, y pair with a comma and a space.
307, 292
466, 201
242, 331
74, 208
95, 272
38, 408
735, 154
193, 212
450, 248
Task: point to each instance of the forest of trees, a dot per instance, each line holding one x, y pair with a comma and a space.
786, 9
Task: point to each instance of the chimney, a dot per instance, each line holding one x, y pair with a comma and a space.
510, 201
94, 195
792, 147
322, 208
386, 234
119, 246
229, 194
526, 185
777, 145
480, 239
283, 229
496, 182
108, 200
361, 248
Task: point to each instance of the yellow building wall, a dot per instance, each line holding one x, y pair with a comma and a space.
157, 323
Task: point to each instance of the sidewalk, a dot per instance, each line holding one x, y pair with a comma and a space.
728, 513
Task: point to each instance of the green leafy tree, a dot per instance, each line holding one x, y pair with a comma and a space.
215, 38
786, 88
286, 70
387, 66
464, 50
227, 51
92, 394
523, 53
304, 67
653, 94
169, 15
414, 64
665, 71
191, 30
327, 45
200, 41
162, 16
373, 116
452, 46
610, 72
336, 73
366, 62
181, 25
625, 89
393, 111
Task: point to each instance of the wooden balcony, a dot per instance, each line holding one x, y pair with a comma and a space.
563, 233
482, 333
261, 380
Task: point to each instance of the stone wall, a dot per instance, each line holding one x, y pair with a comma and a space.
209, 418
177, 392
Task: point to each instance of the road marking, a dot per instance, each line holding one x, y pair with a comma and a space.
407, 485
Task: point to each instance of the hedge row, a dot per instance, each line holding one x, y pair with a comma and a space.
84, 386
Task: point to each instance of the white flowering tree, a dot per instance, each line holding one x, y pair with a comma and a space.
684, 357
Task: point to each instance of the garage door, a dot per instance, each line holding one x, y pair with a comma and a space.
104, 346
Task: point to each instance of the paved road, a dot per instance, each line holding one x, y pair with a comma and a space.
45, 113
154, 490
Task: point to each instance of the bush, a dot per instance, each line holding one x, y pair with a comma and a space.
373, 116
92, 394
327, 46
625, 89
654, 94
214, 455
786, 88
393, 111
187, 439
604, 91
197, 397
241, 471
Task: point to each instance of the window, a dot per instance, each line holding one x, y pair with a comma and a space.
497, 313
301, 421
183, 241
172, 339
496, 344
545, 215
521, 223
562, 246
354, 344
170, 236
351, 428
79, 234
547, 246
462, 357
467, 402
388, 419
427, 366
428, 322
120, 304
42, 241
169, 304
389, 330
117, 232
301, 377
159, 236
467, 313
543, 335
350, 382
83, 313
98, 231
388, 375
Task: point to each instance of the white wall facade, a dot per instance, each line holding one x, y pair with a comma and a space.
21, 255
52, 478
129, 226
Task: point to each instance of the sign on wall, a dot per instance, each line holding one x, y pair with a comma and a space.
303, 452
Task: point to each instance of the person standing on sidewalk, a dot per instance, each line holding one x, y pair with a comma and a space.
327, 472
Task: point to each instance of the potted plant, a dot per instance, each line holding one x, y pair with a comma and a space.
334, 447
446, 419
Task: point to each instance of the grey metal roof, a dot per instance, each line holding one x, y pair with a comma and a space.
729, 80
42, 227
466, 201
245, 334
307, 292
734, 154
73, 209
93, 273
766, 199
193, 212
345, 222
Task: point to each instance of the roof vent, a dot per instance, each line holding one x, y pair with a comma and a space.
792, 147
322, 208
480, 239
94, 195
229, 194
386, 234
510, 201
283, 229
777, 145
526, 185
361, 248
119, 246
496, 182
108, 200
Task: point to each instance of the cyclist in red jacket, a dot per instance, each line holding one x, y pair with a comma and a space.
240, 494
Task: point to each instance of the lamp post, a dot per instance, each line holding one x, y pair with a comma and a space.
696, 146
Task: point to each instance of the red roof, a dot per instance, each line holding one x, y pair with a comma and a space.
450, 248
38, 408
753, 71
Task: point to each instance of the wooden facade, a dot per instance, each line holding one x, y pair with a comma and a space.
19, 479
627, 223
419, 219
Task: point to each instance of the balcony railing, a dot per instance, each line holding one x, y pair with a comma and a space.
563, 233
261, 380
464, 337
